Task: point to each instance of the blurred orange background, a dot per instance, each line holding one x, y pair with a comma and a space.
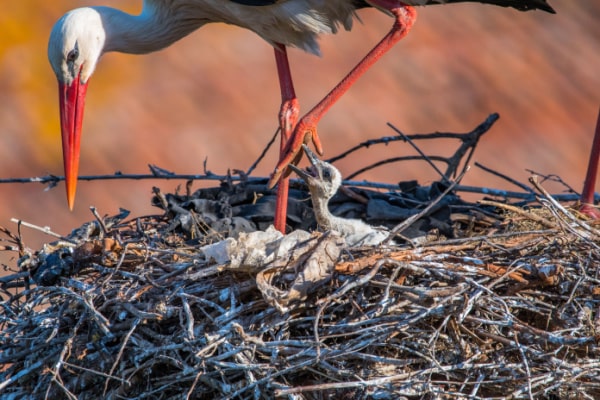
214, 95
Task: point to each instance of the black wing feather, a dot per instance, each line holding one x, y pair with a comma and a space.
255, 2
522, 5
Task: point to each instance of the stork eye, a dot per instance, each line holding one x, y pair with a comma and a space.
72, 55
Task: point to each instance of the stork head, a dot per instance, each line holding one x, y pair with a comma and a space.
76, 43
322, 178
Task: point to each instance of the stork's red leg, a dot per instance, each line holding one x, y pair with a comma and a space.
589, 186
306, 129
288, 116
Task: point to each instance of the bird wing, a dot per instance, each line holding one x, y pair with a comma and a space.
521, 5
256, 2
356, 3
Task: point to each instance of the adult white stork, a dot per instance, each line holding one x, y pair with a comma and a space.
82, 35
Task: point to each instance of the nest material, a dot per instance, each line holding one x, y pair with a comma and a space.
147, 309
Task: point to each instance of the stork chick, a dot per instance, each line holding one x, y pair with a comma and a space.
324, 180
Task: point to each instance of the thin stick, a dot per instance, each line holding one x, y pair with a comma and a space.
99, 219
520, 211
44, 229
418, 150
484, 126
407, 222
506, 178
394, 160
264, 152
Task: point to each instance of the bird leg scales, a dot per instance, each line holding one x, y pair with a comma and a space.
288, 116
290, 110
588, 192
306, 129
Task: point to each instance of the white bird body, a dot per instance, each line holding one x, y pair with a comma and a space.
98, 30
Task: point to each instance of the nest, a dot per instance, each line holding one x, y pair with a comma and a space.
484, 300
142, 309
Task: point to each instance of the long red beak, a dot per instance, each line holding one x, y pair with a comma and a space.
72, 102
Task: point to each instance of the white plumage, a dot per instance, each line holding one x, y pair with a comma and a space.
323, 182
97, 30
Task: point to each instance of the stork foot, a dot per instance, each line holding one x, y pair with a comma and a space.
306, 130
590, 210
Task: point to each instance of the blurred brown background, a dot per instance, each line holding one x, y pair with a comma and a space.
215, 95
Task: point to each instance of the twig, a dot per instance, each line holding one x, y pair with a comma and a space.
468, 145
595, 234
45, 229
484, 126
391, 161
407, 222
263, 153
99, 219
553, 178
115, 364
520, 211
421, 153
506, 178
24, 372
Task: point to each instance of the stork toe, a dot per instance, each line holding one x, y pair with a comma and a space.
304, 133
